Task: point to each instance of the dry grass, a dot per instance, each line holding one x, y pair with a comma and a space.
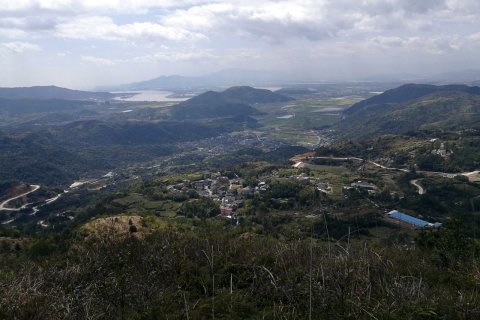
117, 225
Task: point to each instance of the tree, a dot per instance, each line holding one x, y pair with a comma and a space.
202, 208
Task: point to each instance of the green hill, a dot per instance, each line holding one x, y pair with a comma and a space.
14, 107
244, 94
97, 133
397, 111
404, 94
232, 102
60, 154
52, 92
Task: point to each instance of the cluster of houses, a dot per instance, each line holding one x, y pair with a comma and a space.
441, 151
228, 143
359, 185
229, 192
321, 184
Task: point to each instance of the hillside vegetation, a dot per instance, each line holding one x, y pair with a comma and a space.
59, 154
52, 92
411, 108
232, 102
405, 93
195, 223
25, 106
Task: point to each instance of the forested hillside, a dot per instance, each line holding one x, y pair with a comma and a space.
60, 154
399, 111
52, 92
232, 102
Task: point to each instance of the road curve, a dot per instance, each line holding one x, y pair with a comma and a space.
4, 203
421, 190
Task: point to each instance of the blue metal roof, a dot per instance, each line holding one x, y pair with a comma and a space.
408, 219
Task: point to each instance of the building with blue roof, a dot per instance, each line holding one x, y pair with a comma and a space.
414, 222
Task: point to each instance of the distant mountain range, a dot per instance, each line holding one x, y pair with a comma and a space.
224, 78
412, 107
236, 77
233, 102
52, 92
470, 76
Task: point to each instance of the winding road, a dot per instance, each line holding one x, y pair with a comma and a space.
4, 203
421, 190
35, 208
414, 183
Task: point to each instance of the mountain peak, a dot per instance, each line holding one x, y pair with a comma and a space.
408, 92
233, 101
412, 107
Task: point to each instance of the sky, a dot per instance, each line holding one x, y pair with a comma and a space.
87, 43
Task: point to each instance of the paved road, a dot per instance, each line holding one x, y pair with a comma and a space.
357, 159
421, 190
443, 174
414, 182
4, 203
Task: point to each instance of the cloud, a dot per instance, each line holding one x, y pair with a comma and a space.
63, 53
12, 33
273, 21
435, 45
85, 6
20, 47
164, 56
98, 61
173, 57
475, 36
104, 28
31, 23
279, 21
441, 44
194, 36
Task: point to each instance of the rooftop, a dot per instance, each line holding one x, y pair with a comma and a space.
417, 223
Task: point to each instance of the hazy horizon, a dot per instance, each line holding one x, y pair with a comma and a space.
84, 44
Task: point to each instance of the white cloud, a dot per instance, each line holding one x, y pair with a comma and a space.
63, 53
20, 47
98, 61
275, 21
191, 35
475, 36
164, 56
12, 33
271, 20
441, 44
173, 57
104, 28
94, 6
434, 45
386, 42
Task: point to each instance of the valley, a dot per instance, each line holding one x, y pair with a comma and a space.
241, 171
219, 159
273, 131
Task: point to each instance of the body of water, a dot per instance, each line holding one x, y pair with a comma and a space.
151, 95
